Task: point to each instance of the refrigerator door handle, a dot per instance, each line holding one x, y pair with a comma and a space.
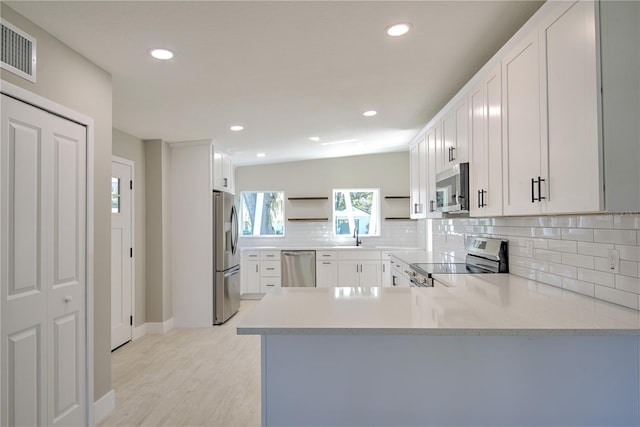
232, 271
234, 229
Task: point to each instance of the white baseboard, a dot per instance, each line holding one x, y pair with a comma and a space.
139, 331
159, 327
103, 406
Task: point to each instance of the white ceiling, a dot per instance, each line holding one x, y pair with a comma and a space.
286, 70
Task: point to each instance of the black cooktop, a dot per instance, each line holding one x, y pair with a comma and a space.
427, 269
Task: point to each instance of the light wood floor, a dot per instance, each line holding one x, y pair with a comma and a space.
189, 377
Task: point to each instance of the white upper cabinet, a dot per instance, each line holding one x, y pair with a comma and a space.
223, 173
455, 135
433, 139
521, 128
551, 146
485, 137
558, 108
418, 174
569, 97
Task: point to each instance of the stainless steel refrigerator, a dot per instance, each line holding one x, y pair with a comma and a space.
226, 258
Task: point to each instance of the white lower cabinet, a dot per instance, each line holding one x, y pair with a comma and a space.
399, 276
326, 274
385, 278
250, 271
359, 268
261, 271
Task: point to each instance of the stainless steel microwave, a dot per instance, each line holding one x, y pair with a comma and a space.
452, 190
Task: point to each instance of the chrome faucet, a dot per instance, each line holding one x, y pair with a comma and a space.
355, 235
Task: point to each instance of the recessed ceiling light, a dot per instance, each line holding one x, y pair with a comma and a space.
162, 54
261, 155
314, 138
399, 29
236, 128
369, 113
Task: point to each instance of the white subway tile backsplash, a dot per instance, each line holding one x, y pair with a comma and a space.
629, 268
594, 249
626, 221
627, 299
629, 284
563, 246
545, 255
622, 237
569, 251
629, 253
561, 269
562, 221
578, 286
597, 277
602, 264
585, 261
577, 234
595, 221
549, 279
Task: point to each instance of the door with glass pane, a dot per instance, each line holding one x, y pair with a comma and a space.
121, 251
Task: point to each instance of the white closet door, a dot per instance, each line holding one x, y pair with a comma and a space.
42, 267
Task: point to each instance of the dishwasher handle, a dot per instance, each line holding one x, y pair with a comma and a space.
296, 253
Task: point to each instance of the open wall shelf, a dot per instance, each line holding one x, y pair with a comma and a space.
308, 219
308, 198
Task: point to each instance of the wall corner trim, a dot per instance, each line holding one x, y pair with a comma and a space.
104, 406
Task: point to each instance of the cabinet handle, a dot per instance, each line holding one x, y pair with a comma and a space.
453, 156
483, 204
539, 181
393, 281
326, 255
270, 285
225, 182
431, 203
270, 268
326, 263
256, 268
383, 269
533, 183
479, 198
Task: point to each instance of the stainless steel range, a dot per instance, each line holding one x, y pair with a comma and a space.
484, 255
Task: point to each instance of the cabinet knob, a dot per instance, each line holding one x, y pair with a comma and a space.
68, 298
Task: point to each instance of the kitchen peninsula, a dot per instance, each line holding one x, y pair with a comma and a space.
473, 350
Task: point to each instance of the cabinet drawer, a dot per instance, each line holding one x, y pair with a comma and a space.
270, 255
270, 268
251, 255
326, 255
268, 284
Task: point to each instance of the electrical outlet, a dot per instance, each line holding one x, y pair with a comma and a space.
614, 260
529, 245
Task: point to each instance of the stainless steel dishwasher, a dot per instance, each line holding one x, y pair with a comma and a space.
298, 268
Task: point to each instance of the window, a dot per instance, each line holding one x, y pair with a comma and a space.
115, 195
356, 208
262, 213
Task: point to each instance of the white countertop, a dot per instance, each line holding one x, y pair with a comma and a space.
489, 304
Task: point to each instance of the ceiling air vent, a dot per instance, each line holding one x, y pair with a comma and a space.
18, 52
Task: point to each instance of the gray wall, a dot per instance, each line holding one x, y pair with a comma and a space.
66, 77
131, 148
158, 229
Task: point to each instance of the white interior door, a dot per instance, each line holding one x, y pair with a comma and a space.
42, 267
121, 251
